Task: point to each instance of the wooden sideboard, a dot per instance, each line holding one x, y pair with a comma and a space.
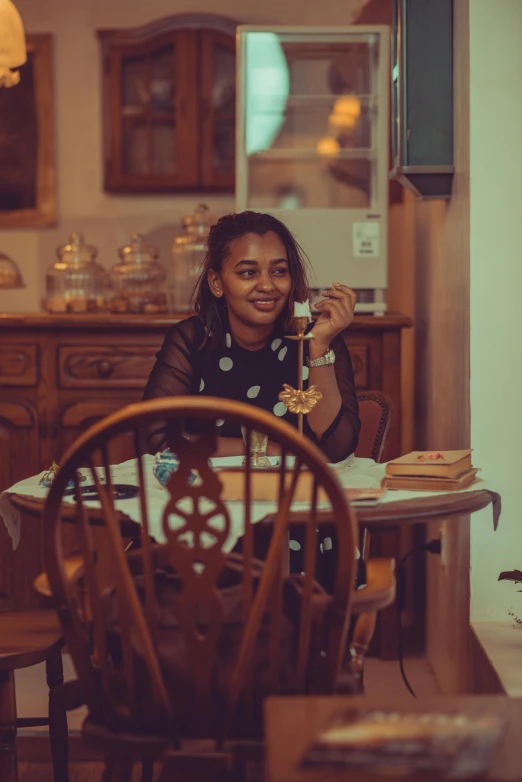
60, 374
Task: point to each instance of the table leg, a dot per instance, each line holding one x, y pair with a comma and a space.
385, 542
8, 762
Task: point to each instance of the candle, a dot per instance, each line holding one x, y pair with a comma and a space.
302, 310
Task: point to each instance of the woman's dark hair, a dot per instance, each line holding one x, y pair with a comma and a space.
228, 228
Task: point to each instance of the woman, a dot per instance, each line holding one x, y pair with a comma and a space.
235, 348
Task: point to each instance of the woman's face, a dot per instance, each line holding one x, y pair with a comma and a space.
254, 279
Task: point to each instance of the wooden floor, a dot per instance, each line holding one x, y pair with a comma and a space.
78, 772
379, 675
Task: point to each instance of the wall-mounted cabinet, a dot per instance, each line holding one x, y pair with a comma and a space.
169, 105
422, 96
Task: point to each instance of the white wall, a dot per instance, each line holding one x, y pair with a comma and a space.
496, 295
107, 221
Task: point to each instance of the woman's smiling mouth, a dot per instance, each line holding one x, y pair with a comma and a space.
265, 305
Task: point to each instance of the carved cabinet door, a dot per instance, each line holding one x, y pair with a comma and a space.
79, 416
19, 459
19, 443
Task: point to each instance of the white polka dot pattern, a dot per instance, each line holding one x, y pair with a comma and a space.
202, 385
228, 340
253, 391
276, 343
226, 363
306, 373
295, 545
220, 422
282, 353
280, 409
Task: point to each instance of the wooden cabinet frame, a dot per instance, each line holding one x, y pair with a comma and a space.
193, 36
40, 49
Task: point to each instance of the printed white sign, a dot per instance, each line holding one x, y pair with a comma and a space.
366, 240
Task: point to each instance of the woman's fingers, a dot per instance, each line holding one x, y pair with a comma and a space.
339, 292
333, 307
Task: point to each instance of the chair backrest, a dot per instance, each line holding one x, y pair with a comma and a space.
376, 414
147, 646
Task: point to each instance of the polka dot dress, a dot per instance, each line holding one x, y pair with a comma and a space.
252, 376
190, 364
255, 377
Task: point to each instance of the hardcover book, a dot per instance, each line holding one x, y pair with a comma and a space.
392, 744
443, 464
265, 486
430, 483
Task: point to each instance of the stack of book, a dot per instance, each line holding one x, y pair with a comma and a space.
430, 471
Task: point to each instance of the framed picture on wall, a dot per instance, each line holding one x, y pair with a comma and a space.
27, 165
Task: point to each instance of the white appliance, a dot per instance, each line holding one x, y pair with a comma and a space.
312, 146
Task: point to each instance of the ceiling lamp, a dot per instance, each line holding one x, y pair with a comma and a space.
13, 53
346, 112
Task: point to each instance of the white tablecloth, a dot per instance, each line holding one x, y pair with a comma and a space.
353, 473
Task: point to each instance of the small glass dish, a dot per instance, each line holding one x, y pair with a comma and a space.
166, 463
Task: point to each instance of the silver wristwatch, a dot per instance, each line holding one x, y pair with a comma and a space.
328, 358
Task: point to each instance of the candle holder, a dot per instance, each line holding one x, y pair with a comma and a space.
298, 401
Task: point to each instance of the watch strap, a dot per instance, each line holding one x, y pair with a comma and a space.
328, 358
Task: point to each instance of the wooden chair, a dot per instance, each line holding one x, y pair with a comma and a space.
27, 638
376, 414
166, 659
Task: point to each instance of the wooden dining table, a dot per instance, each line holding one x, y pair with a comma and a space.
387, 518
417, 510
19, 569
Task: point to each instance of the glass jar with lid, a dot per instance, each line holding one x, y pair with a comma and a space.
10, 274
138, 280
76, 282
188, 254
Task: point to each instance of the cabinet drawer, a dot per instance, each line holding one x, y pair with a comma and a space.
19, 365
81, 366
359, 354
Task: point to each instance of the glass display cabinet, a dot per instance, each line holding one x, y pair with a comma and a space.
169, 105
313, 145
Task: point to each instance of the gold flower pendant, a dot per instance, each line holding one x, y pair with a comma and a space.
299, 402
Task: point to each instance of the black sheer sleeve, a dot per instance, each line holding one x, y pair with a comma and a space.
341, 438
176, 371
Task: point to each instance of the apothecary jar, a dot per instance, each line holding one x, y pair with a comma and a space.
138, 279
76, 282
188, 253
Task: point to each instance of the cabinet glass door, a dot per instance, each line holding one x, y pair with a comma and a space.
310, 119
218, 109
148, 114
155, 113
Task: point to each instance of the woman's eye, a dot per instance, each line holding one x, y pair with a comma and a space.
281, 272
247, 273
